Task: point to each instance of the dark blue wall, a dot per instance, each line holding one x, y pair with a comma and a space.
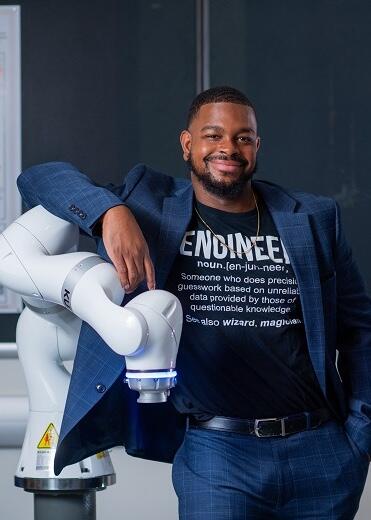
306, 66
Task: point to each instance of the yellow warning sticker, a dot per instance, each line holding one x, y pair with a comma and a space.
101, 455
50, 438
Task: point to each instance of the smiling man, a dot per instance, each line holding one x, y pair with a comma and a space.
270, 293
222, 153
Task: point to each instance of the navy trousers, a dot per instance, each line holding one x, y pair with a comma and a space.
317, 474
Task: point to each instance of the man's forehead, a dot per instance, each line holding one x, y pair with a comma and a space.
221, 114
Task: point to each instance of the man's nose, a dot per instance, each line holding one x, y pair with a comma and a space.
228, 146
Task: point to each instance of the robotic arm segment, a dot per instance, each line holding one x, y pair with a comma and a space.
82, 282
33, 263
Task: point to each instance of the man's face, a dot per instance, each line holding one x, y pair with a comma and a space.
221, 146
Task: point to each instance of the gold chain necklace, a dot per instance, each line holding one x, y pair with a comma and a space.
253, 243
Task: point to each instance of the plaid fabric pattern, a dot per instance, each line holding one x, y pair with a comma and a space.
317, 474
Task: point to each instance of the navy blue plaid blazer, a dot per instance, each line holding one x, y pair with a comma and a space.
102, 412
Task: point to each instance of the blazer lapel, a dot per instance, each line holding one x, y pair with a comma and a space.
176, 215
297, 237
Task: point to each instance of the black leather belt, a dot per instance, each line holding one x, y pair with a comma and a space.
273, 427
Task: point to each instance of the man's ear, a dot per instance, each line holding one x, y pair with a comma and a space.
186, 142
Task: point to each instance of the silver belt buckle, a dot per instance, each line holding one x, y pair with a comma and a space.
274, 419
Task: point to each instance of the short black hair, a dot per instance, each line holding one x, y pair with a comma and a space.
217, 95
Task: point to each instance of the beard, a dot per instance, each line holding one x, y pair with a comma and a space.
225, 190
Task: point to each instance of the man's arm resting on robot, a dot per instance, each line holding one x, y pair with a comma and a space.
72, 196
67, 193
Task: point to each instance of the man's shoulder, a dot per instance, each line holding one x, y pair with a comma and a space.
312, 202
160, 183
304, 201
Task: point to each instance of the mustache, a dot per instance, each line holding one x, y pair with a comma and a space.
221, 157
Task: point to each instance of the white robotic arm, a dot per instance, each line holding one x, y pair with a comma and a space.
38, 259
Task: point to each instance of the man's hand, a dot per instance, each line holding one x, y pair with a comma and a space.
127, 248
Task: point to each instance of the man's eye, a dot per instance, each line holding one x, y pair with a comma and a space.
213, 136
245, 139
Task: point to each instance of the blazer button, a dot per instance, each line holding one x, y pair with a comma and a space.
100, 388
72, 207
82, 215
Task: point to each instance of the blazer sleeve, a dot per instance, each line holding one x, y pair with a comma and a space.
354, 341
67, 193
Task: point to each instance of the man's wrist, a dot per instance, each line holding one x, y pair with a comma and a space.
118, 208
97, 228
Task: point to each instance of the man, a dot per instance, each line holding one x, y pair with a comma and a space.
269, 292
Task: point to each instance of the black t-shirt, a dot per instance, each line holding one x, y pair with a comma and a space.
243, 350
